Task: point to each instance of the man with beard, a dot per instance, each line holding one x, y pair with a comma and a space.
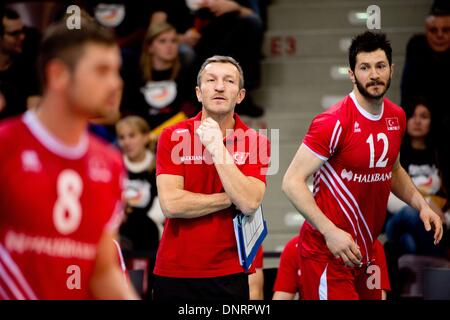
353, 151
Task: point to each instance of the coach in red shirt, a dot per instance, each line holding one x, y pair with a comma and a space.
208, 168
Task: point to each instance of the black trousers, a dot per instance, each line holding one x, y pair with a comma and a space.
233, 288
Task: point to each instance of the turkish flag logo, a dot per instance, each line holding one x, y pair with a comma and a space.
392, 124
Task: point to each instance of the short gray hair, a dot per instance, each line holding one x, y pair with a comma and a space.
222, 59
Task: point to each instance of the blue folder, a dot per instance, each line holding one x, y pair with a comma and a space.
250, 232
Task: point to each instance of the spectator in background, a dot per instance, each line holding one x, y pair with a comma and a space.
222, 27
420, 159
426, 71
180, 14
140, 188
161, 86
19, 88
128, 19
184, 16
287, 283
231, 27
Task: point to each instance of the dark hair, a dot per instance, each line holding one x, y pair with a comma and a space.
60, 42
369, 42
222, 59
9, 14
440, 8
411, 105
409, 111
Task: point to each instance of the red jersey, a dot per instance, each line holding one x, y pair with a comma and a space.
353, 185
204, 246
56, 202
288, 274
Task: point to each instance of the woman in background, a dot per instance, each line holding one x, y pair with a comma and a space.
161, 86
138, 229
418, 156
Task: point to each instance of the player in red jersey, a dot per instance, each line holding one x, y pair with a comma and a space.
60, 203
288, 280
353, 151
203, 172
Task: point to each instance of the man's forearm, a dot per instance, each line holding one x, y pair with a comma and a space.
107, 280
303, 200
239, 187
112, 285
185, 204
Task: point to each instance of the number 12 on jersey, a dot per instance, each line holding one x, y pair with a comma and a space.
382, 161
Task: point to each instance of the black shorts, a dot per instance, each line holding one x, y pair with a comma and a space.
232, 288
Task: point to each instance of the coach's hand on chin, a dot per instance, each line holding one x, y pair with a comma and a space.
211, 137
342, 245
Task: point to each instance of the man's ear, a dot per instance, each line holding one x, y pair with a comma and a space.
351, 75
241, 96
392, 70
57, 74
198, 93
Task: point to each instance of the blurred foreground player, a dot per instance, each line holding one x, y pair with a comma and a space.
60, 203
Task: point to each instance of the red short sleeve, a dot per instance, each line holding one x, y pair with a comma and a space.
324, 135
258, 160
168, 155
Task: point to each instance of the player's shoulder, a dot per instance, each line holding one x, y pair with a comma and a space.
337, 112
11, 131
181, 127
293, 242
393, 108
10, 126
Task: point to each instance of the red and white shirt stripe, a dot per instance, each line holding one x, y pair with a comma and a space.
352, 186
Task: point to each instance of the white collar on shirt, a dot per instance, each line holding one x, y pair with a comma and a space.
52, 143
368, 115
